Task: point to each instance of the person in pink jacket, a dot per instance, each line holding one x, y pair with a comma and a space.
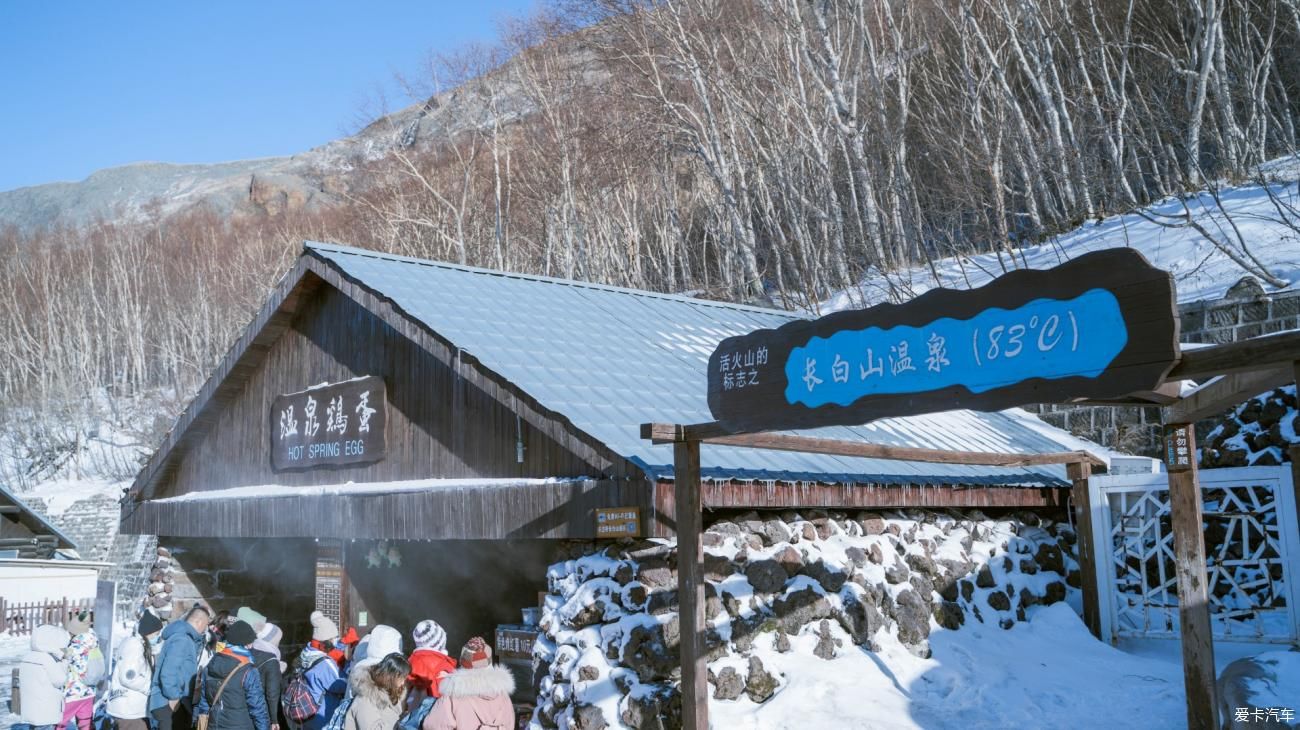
475, 696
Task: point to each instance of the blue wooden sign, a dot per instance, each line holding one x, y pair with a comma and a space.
1100, 326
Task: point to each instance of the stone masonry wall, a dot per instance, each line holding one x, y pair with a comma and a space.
1245, 312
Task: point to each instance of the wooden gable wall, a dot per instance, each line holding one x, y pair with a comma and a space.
440, 424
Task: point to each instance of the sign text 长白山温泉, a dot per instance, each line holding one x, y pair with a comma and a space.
1100, 326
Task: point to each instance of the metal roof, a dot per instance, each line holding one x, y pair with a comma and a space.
610, 359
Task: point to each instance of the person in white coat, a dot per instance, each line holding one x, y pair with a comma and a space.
128, 695
41, 678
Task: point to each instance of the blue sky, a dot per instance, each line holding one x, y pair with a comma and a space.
88, 85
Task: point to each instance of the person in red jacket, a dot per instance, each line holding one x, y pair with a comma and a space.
429, 661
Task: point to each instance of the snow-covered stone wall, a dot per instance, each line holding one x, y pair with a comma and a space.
1256, 433
781, 586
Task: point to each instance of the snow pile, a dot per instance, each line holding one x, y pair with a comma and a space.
782, 592
1252, 221
1255, 433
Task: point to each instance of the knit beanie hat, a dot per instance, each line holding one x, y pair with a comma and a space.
270, 634
379, 643
79, 622
429, 635
323, 627
240, 634
253, 618
476, 654
148, 624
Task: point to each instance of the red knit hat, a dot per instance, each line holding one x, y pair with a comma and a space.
476, 654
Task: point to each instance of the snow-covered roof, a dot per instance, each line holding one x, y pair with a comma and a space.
610, 359
276, 491
34, 520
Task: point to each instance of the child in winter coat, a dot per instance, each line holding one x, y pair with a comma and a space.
128, 696
378, 693
475, 696
321, 663
86, 670
429, 661
42, 675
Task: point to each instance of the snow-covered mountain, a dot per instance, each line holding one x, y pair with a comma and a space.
317, 177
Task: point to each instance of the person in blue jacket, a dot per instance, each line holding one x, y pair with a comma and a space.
171, 688
322, 663
230, 687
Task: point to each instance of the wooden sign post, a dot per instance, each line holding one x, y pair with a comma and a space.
1099, 326
1195, 633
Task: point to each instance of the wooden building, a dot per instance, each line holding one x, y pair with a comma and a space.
397, 429
25, 534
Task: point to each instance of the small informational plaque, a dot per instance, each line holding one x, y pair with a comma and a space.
1178, 447
618, 522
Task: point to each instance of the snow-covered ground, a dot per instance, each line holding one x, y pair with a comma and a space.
12, 649
1048, 672
1265, 223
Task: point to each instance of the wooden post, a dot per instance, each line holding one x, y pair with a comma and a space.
690, 585
1079, 472
1294, 451
1193, 597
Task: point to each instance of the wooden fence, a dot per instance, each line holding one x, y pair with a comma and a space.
19, 619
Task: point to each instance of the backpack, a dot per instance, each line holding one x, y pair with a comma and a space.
299, 705
415, 718
340, 714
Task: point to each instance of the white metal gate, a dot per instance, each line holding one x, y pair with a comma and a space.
1251, 545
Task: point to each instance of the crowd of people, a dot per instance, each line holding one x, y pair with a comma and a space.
225, 671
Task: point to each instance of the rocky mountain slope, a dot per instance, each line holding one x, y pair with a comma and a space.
317, 177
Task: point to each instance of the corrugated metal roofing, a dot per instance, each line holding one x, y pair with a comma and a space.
610, 359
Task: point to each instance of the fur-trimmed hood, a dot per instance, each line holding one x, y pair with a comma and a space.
482, 682
365, 689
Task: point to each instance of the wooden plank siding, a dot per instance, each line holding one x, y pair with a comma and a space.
738, 494
556, 510
430, 408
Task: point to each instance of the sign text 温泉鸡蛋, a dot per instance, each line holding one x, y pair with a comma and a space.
332, 424
1100, 326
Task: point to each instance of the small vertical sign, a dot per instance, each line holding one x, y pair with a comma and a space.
1178, 447
329, 580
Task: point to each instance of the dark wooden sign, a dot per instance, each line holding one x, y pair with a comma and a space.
1102, 325
516, 642
337, 423
1178, 448
618, 522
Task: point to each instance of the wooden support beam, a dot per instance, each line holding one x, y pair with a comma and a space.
1166, 394
1193, 593
1254, 354
690, 585
1079, 474
9, 509
712, 433
1294, 451
1219, 395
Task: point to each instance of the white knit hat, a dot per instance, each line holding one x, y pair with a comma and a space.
429, 635
379, 643
323, 627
